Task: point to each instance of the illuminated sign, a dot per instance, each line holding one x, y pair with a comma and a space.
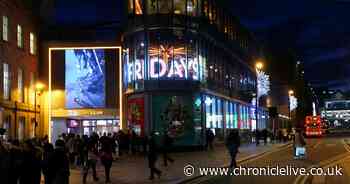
166, 63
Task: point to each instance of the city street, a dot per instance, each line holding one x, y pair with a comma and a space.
320, 152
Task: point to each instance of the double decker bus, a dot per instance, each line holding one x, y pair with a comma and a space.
313, 126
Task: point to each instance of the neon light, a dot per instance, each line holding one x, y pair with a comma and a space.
160, 72
138, 70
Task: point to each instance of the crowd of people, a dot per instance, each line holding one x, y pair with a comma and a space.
24, 162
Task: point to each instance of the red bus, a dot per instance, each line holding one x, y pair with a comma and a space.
313, 126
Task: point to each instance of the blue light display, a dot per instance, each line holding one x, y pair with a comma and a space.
85, 78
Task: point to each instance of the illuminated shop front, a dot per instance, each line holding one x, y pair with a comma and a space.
180, 77
84, 90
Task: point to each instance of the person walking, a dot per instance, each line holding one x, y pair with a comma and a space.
58, 168
257, 137
233, 142
153, 157
299, 145
31, 164
107, 155
167, 144
209, 139
92, 157
48, 150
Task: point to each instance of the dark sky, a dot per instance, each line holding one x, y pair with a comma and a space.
318, 30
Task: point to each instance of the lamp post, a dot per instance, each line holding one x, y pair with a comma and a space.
37, 91
258, 66
290, 94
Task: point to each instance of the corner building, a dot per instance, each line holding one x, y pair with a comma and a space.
188, 66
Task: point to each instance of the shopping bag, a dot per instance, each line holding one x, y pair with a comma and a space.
300, 151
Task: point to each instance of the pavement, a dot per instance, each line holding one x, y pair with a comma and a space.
134, 169
321, 152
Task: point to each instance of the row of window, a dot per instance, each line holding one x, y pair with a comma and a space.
20, 84
20, 39
209, 9
220, 113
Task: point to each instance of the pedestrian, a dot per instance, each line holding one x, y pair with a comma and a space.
58, 168
5, 163
257, 137
265, 134
167, 144
31, 166
299, 145
92, 157
233, 142
48, 150
153, 157
70, 146
133, 142
209, 139
78, 146
107, 155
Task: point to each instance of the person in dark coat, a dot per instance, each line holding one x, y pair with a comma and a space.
257, 137
233, 141
58, 168
107, 155
153, 156
48, 150
167, 144
5, 164
31, 164
209, 139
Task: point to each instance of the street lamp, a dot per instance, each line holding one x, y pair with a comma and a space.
38, 90
290, 94
258, 66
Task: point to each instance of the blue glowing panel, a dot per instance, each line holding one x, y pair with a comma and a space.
85, 78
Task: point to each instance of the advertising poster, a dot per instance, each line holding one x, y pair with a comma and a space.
136, 115
85, 78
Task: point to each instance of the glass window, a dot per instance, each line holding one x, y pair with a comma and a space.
192, 6
32, 43
131, 6
20, 85
179, 6
5, 28
19, 36
165, 6
138, 7
152, 6
6, 81
32, 88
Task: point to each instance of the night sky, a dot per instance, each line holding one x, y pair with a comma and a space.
318, 30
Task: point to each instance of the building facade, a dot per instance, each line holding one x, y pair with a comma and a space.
188, 66
18, 71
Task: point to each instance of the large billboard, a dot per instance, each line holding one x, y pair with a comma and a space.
85, 78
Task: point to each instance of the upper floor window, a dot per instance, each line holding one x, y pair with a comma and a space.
131, 6
6, 81
5, 28
32, 43
19, 36
20, 85
165, 6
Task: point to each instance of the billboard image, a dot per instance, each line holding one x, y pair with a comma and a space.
85, 78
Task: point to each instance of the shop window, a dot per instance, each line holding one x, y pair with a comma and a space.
138, 7
165, 6
151, 7
21, 128
192, 7
179, 7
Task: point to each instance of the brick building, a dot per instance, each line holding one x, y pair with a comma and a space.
18, 70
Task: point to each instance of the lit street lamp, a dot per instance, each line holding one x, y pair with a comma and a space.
290, 94
38, 90
258, 66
